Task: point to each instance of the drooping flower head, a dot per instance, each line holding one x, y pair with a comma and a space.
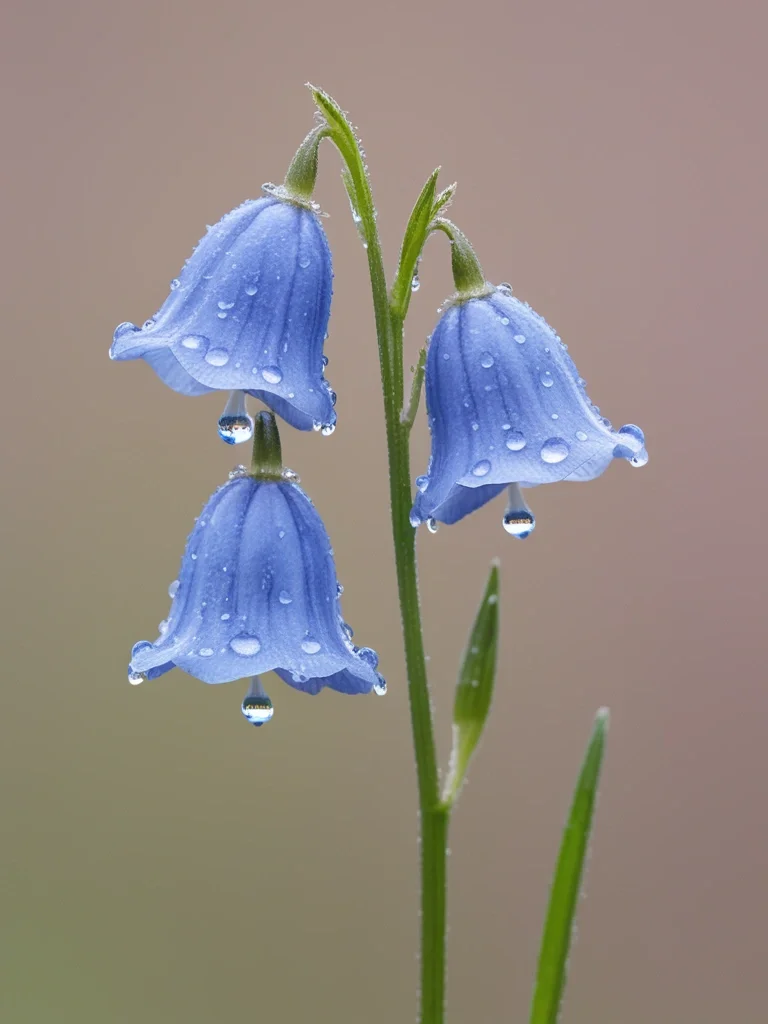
506, 406
257, 592
248, 313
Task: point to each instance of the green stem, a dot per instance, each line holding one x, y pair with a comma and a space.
434, 818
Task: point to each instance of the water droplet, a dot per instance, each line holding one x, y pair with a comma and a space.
257, 707
175, 283
446, 355
555, 416
222, 316
148, 323
339, 590
515, 442
173, 589
520, 339
194, 341
505, 286
380, 686
225, 305
236, 429
546, 379
632, 436
414, 519
225, 617
251, 289
304, 262
481, 468
284, 597
290, 475
432, 525
519, 522
162, 627
124, 329
136, 678
504, 320
245, 645
580, 435
554, 450
310, 646
272, 374
327, 429
487, 360
206, 652
415, 283
422, 483
237, 471
475, 426
217, 357
639, 459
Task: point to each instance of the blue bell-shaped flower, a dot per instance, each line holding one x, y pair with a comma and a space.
257, 592
248, 313
506, 406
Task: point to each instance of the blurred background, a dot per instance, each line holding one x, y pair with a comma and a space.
160, 860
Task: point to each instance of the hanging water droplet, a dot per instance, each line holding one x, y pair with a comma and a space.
257, 707
639, 459
415, 283
310, 646
481, 468
136, 678
546, 379
413, 519
290, 475
173, 589
554, 450
422, 483
487, 360
148, 323
327, 429
162, 627
217, 357
518, 519
316, 425
284, 597
272, 374
432, 525
515, 441
380, 686
580, 435
245, 645
339, 590
520, 339
235, 425
175, 283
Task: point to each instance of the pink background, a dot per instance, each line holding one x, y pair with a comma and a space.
159, 860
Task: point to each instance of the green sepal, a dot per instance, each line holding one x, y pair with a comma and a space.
475, 687
301, 176
468, 275
267, 458
416, 234
566, 885
444, 199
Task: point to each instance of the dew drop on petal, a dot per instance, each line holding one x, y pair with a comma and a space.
194, 342
304, 262
310, 646
580, 435
639, 458
487, 360
173, 589
237, 471
245, 645
236, 429
520, 339
284, 597
432, 525
546, 379
136, 678
175, 283
380, 686
251, 289
515, 441
217, 357
481, 468
206, 652
554, 450
327, 429
422, 483
272, 374
504, 320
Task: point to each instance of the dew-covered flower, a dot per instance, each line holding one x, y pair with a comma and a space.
506, 406
248, 313
257, 592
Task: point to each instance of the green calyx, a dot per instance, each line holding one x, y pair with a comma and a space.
301, 176
468, 275
267, 459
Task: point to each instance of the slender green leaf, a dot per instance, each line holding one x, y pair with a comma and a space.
564, 895
415, 236
475, 687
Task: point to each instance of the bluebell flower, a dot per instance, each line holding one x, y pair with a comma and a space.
257, 592
507, 408
248, 313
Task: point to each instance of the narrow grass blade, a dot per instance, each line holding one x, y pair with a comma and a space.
558, 929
